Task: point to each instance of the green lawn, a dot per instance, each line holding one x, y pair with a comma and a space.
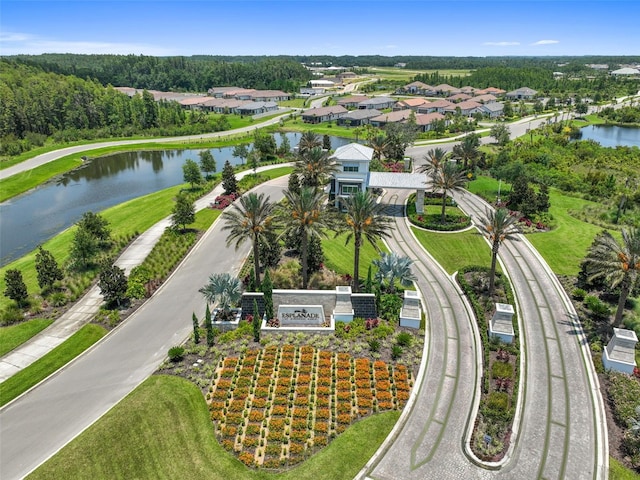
617, 471
339, 257
565, 246
162, 430
14, 335
455, 250
52, 361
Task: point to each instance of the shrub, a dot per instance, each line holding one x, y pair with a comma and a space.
10, 315
390, 305
396, 352
497, 406
374, 345
404, 339
176, 354
579, 293
502, 370
597, 306
624, 393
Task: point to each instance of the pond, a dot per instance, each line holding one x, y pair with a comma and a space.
29, 220
612, 136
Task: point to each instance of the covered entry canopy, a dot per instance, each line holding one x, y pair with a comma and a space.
412, 181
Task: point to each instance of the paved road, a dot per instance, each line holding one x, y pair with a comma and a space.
562, 431
41, 422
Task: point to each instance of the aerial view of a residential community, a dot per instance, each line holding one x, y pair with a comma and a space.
319, 240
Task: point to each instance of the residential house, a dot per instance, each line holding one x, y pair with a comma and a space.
223, 105
391, 117
417, 88
352, 101
269, 96
459, 97
240, 94
379, 103
625, 72
492, 90
444, 90
356, 118
194, 103
466, 108
493, 109
468, 90
346, 75
323, 114
425, 120
256, 108
352, 162
523, 93
409, 103
486, 98
436, 106
322, 83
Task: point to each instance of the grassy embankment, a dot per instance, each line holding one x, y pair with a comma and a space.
14, 335
52, 361
162, 430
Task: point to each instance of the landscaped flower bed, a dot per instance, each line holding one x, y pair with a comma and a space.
277, 406
431, 219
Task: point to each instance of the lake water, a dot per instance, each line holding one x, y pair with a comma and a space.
28, 220
612, 136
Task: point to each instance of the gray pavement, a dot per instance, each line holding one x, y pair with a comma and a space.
86, 307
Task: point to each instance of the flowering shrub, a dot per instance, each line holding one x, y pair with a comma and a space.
223, 201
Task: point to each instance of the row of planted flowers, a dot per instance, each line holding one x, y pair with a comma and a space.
275, 407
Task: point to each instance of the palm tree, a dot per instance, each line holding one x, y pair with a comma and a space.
309, 140
251, 217
364, 221
314, 167
303, 214
498, 226
224, 289
379, 143
392, 267
467, 150
449, 179
435, 159
617, 263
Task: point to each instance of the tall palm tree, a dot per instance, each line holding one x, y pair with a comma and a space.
364, 221
314, 167
617, 263
309, 140
498, 226
379, 143
303, 213
251, 217
449, 179
392, 267
467, 150
435, 159
224, 289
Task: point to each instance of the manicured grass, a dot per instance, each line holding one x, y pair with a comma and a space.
455, 250
565, 246
162, 430
52, 361
339, 257
124, 219
294, 103
617, 471
324, 128
14, 335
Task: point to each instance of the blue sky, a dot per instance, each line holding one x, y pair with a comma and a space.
418, 27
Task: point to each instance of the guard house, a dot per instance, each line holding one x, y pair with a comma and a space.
352, 175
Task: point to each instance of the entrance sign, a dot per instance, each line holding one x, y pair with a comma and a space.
300, 315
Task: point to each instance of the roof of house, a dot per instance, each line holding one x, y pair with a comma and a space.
361, 114
412, 102
352, 99
353, 151
493, 90
522, 91
626, 71
393, 117
194, 100
322, 111
438, 104
493, 106
443, 87
377, 101
460, 96
427, 118
466, 105
268, 94
467, 89
257, 105
486, 98
418, 84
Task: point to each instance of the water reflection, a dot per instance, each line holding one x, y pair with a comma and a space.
612, 136
31, 219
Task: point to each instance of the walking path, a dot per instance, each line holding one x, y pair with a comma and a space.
86, 308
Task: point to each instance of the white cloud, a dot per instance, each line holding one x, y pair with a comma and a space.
501, 44
14, 43
545, 42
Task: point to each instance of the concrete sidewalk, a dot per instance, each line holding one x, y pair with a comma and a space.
86, 308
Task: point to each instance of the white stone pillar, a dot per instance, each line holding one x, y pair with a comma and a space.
420, 201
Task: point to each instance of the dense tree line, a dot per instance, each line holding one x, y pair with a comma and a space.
37, 105
188, 74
